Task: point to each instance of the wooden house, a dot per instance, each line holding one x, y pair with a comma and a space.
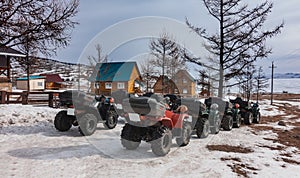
166, 86
113, 76
185, 83
35, 83
53, 81
6, 54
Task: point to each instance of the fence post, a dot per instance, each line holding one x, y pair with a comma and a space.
50, 100
7, 97
2, 96
25, 97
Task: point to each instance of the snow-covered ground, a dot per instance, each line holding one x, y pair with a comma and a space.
31, 147
291, 85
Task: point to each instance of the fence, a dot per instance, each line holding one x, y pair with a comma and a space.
25, 97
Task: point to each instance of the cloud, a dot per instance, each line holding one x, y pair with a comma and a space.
97, 15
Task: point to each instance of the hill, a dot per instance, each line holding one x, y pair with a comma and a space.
69, 72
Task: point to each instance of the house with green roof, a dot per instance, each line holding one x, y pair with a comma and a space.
36, 83
113, 76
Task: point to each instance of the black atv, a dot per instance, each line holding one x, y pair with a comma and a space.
214, 114
236, 114
230, 114
245, 110
85, 111
198, 111
255, 112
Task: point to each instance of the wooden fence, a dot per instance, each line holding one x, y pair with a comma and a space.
25, 97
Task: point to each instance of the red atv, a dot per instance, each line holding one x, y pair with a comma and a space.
148, 120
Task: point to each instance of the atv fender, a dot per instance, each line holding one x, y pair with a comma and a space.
167, 122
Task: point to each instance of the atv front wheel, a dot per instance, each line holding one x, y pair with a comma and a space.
202, 129
111, 120
216, 128
186, 135
248, 118
162, 145
238, 122
62, 121
257, 118
87, 124
227, 123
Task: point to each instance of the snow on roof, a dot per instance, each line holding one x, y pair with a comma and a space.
31, 78
7, 51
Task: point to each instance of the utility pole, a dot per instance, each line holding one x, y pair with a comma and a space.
79, 76
272, 78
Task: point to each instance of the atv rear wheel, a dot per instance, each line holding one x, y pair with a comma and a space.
62, 121
87, 124
257, 118
128, 138
248, 118
111, 120
130, 145
186, 135
162, 145
238, 122
227, 122
202, 129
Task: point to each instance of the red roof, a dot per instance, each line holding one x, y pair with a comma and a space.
52, 78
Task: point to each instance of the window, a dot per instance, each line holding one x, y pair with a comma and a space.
40, 84
184, 91
108, 85
121, 85
184, 80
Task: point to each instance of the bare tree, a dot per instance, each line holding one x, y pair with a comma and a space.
100, 58
261, 82
149, 73
37, 26
241, 37
246, 81
167, 55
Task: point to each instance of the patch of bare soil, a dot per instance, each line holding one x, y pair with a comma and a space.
272, 147
238, 167
229, 148
283, 96
286, 137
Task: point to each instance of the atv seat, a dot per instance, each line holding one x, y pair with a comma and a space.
144, 106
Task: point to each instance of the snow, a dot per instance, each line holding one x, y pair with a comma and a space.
291, 85
31, 147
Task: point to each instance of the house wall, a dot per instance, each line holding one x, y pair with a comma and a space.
128, 85
36, 84
6, 87
134, 76
53, 85
183, 82
169, 87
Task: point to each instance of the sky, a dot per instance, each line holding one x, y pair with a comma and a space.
124, 28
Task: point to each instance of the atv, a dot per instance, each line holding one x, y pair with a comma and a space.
200, 122
214, 115
255, 112
82, 110
245, 110
230, 114
147, 119
237, 118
